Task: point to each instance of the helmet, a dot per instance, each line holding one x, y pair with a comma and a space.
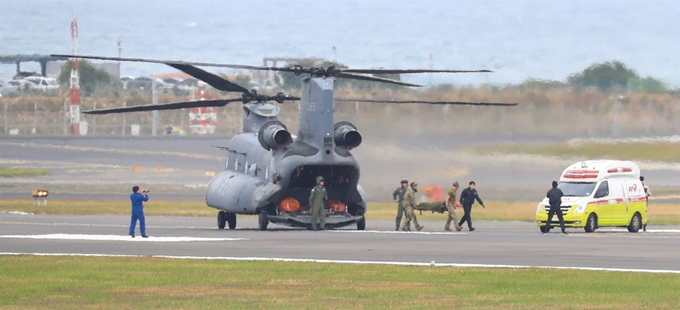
413, 184
455, 184
319, 179
404, 181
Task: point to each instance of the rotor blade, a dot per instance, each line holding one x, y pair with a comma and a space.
167, 106
404, 71
169, 62
373, 78
213, 80
430, 102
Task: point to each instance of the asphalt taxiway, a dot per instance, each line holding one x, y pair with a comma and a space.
492, 243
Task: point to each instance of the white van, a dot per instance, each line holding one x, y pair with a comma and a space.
599, 193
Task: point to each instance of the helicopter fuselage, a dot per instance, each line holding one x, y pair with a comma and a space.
266, 165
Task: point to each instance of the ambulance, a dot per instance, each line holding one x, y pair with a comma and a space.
599, 193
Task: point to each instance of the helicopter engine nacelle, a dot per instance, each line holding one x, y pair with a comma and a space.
346, 135
274, 135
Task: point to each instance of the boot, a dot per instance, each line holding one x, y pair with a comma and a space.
420, 227
447, 228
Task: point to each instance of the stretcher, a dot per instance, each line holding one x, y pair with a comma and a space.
436, 206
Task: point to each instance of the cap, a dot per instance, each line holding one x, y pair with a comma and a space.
414, 183
455, 184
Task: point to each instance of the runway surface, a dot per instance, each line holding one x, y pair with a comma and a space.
177, 168
492, 243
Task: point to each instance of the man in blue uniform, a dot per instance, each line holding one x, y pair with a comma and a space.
467, 199
137, 200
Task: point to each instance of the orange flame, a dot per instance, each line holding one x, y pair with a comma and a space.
434, 193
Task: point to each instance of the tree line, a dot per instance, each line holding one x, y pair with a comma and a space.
609, 76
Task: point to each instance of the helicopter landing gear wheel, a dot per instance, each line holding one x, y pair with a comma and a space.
231, 220
361, 224
263, 220
221, 219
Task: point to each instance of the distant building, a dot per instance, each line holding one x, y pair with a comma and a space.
112, 68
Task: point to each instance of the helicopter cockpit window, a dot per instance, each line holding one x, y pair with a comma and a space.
226, 164
236, 164
253, 170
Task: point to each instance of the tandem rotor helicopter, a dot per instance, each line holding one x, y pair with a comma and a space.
269, 171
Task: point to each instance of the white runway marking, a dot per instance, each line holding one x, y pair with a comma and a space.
115, 238
100, 225
302, 260
614, 230
397, 232
662, 230
16, 212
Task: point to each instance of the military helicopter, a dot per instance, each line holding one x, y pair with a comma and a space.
269, 171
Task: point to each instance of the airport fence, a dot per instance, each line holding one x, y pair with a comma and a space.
539, 114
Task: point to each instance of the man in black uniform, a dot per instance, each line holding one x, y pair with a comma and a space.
398, 197
555, 200
467, 198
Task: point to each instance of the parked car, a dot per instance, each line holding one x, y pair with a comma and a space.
42, 83
188, 84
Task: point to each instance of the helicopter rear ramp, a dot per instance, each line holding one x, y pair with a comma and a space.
304, 220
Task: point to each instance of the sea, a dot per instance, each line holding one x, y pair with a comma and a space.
517, 39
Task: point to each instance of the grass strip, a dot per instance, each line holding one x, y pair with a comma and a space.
21, 172
143, 283
636, 151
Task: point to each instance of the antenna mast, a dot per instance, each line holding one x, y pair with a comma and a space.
74, 92
431, 67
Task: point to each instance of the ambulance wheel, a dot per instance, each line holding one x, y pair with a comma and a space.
221, 219
635, 223
361, 224
231, 220
591, 224
263, 220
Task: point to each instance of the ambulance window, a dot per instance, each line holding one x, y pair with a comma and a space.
577, 189
603, 190
616, 188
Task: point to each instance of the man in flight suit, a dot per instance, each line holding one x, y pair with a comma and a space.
467, 199
555, 201
647, 194
317, 200
137, 200
409, 206
451, 208
398, 197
